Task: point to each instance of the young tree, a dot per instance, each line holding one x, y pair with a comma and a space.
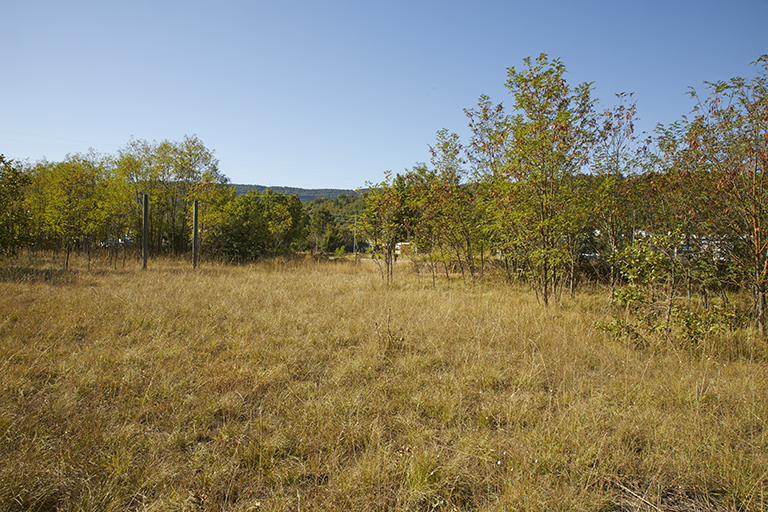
729, 140
457, 209
285, 218
13, 216
73, 202
389, 217
320, 222
169, 172
614, 164
553, 131
255, 225
243, 234
488, 154
490, 135
214, 197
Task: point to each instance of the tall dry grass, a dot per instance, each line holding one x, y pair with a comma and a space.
294, 385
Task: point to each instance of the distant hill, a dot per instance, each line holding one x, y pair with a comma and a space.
303, 193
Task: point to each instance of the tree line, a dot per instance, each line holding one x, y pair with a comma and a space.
555, 191
559, 191
90, 202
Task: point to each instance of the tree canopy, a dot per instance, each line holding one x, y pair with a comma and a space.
554, 188
560, 191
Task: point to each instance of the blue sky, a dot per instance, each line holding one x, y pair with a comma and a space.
332, 94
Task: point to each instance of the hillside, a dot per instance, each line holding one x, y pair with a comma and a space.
303, 193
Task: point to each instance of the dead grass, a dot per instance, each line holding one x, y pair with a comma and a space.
295, 385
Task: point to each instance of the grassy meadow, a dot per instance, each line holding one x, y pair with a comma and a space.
308, 385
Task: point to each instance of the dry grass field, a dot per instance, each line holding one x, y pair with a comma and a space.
302, 385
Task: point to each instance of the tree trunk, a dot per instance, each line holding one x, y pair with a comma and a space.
760, 309
432, 267
461, 264
445, 264
482, 260
670, 299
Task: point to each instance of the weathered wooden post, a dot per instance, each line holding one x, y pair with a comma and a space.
145, 232
194, 236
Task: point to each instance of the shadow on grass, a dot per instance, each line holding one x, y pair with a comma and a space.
34, 275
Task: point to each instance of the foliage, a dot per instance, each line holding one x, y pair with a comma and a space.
553, 130
285, 219
214, 199
552, 189
456, 204
77, 202
728, 142
13, 216
653, 303
562, 193
339, 225
343, 207
93, 200
389, 218
613, 196
172, 174
255, 225
243, 235
320, 225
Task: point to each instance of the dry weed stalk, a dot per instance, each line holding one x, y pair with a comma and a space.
283, 385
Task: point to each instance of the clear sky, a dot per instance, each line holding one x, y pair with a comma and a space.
331, 94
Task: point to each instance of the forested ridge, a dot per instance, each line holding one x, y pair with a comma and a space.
305, 194
553, 190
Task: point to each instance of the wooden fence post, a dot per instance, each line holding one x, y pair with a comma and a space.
194, 237
145, 232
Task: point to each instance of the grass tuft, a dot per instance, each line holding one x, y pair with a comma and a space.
310, 385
